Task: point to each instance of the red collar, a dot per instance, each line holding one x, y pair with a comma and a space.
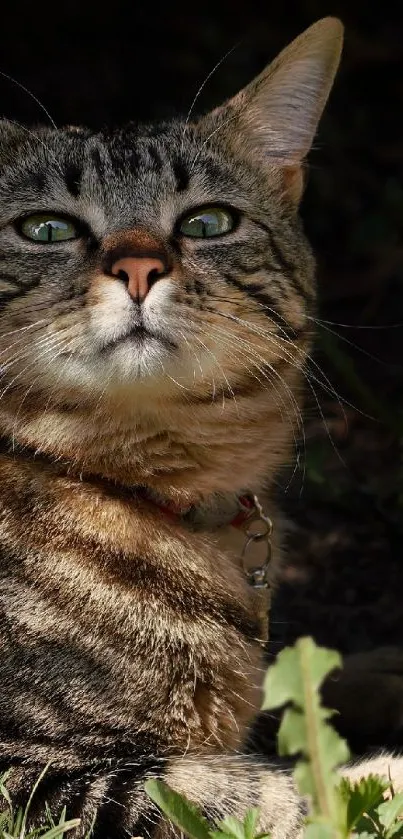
247, 506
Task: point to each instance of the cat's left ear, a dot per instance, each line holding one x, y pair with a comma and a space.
276, 116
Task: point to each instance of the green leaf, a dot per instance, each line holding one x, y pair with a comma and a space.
232, 827
218, 834
178, 809
250, 822
390, 810
286, 679
18, 822
29, 802
295, 678
3, 789
362, 798
59, 829
316, 830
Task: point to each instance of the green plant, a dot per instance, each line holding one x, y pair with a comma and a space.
338, 809
189, 819
13, 822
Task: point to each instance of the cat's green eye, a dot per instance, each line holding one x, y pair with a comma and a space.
208, 222
45, 228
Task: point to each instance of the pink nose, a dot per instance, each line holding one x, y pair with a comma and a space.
139, 272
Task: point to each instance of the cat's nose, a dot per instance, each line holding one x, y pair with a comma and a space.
139, 273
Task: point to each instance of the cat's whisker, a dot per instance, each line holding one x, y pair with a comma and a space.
219, 367
320, 321
28, 391
29, 93
37, 341
274, 338
4, 368
207, 140
238, 339
327, 386
28, 367
294, 405
326, 328
193, 352
307, 378
234, 342
23, 328
201, 88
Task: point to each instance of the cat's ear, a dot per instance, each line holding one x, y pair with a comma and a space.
276, 116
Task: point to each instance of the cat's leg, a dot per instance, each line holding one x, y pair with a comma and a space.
231, 784
111, 799
384, 764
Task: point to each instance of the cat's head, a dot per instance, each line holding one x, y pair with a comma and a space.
165, 258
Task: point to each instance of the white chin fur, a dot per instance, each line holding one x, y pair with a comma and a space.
108, 356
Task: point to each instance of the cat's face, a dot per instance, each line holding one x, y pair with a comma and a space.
168, 258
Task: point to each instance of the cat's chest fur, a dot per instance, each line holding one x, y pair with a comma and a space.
141, 617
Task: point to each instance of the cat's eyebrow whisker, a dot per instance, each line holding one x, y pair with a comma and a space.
202, 86
29, 93
198, 153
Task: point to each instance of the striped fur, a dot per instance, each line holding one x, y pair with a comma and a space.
128, 641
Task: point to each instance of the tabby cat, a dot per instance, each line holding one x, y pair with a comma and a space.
156, 292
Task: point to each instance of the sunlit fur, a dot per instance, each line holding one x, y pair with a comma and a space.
128, 641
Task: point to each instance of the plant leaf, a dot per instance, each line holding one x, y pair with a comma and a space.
285, 680
29, 802
232, 827
318, 830
362, 798
178, 809
390, 810
59, 829
219, 834
250, 822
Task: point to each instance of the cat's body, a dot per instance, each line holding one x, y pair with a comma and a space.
145, 367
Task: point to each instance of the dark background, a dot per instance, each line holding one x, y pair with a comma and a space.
107, 63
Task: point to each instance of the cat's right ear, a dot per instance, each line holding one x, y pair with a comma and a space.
274, 119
